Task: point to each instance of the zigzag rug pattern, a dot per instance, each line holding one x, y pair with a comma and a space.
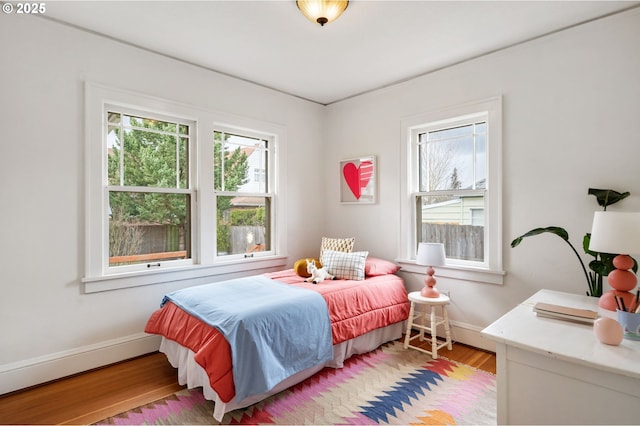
387, 386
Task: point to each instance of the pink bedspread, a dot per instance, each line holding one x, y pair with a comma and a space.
355, 308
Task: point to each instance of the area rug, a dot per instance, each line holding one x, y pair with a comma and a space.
387, 386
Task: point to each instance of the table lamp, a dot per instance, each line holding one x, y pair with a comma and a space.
617, 232
430, 255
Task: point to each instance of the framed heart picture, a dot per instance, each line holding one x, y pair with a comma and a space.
358, 180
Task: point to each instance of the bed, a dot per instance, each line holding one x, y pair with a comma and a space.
360, 316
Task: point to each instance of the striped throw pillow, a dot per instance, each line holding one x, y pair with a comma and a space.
336, 244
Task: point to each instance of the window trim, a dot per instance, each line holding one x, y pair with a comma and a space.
205, 264
269, 193
416, 132
108, 270
492, 272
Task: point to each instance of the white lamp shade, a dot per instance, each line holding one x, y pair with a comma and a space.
430, 254
615, 233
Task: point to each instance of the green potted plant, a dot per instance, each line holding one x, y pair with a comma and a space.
602, 263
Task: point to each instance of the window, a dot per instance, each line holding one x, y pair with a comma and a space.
150, 198
453, 186
243, 199
175, 192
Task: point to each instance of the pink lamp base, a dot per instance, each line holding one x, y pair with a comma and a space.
429, 292
621, 281
429, 282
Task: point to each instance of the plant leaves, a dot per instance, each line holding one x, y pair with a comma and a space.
606, 197
560, 232
603, 262
600, 268
586, 240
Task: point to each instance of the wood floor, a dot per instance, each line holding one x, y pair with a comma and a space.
90, 397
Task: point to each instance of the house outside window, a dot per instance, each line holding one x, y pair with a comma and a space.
453, 187
243, 199
171, 192
452, 184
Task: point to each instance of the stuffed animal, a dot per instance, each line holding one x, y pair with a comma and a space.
300, 267
317, 274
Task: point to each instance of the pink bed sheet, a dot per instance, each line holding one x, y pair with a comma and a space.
355, 308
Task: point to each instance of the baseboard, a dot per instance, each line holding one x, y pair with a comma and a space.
35, 371
470, 335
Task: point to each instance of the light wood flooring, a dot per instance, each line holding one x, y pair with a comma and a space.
95, 395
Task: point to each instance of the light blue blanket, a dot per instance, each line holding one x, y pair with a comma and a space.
274, 329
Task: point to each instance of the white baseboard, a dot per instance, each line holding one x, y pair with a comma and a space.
34, 371
470, 335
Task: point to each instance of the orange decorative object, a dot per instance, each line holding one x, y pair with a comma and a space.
622, 261
607, 300
622, 280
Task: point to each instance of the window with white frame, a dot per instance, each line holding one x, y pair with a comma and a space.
243, 199
452, 171
171, 192
149, 191
453, 185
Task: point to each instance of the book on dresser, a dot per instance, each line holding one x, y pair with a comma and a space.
566, 313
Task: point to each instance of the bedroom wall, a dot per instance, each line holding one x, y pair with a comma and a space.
48, 327
571, 108
571, 100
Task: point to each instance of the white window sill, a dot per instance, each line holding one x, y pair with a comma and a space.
485, 276
199, 274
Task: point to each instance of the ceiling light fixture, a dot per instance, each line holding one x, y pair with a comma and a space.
322, 11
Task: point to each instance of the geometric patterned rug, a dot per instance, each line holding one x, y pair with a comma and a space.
387, 386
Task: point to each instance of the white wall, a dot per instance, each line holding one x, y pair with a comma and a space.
571, 101
571, 120
48, 328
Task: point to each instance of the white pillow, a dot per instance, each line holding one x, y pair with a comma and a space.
347, 266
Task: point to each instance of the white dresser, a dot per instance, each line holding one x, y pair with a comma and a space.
551, 371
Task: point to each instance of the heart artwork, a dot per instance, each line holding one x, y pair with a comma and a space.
357, 177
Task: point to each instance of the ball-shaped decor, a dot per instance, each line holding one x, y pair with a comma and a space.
622, 261
608, 302
622, 280
608, 331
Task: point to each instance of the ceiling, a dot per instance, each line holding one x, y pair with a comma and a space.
372, 45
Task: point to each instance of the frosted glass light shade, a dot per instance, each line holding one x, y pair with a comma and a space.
615, 232
322, 11
430, 254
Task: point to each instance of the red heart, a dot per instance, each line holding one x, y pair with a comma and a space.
358, 177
